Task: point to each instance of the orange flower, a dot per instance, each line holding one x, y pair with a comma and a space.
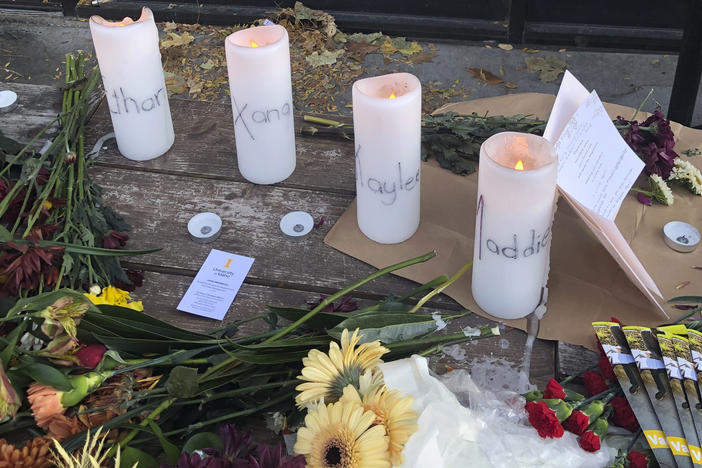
61, 427
46, 403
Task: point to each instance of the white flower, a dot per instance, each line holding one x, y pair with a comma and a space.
660, 190
95, 290
687, 174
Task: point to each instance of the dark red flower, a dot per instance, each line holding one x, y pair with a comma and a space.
114, 240
622, 414
24, 268
544, 419
594, 382
606, 369
643, 199
275, 457
90, 355
637, 459
589, 441
135, 277
577, 422
554, 390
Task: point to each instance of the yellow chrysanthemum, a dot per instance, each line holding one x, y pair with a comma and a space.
326, 375
114, 296
391, 410
342, 435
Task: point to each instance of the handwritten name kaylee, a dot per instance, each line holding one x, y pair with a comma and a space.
387, 187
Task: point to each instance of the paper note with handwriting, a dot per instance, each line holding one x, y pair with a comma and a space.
596, 170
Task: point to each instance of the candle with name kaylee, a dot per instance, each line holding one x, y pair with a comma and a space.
258, 62
516, 200
387, 126
130, 64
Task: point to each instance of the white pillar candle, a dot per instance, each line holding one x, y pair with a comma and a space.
516, 199
258, 62
130, 64
387, 122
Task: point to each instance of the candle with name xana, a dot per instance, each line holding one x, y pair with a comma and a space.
258, 62
130, 64
387, 122
516, 199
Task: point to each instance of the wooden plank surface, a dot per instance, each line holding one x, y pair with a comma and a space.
199, 174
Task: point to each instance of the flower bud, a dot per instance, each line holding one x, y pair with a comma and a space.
71, 157
9, 400
95, 289
90, 355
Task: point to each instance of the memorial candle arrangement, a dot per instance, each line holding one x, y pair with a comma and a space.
130, 63
516, 199
387, 126
258, 62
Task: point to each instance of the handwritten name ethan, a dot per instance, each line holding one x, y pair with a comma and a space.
386, 188
122, 103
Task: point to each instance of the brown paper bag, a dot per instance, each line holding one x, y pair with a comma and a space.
585, 283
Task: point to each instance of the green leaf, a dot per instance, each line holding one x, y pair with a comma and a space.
320, 320
131, 455
5, 235
12, 338
47, 375
182, 382
42, 301
202, 440
690, 299
171, 451
299, 342
386, 327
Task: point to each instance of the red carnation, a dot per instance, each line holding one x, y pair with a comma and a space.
615, 320
554, 390
606, 369
589, 441
90, 355
622, 414
544, 419
594, 382
577, 422
637, 460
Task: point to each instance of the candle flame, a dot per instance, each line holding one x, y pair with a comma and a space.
392, 96
519, 166
253, 43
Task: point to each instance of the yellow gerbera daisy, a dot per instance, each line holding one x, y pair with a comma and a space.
326, 375
342, 435
391, 410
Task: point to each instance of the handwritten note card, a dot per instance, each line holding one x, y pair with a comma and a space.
596, 170
595, 165
215, 286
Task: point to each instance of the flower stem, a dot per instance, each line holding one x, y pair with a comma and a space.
436, 291
638, 109
151, 417
328, 122
343, 292
244, 390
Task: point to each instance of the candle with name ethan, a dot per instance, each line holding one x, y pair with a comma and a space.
130, 64
516, 200
258, 62
387, 123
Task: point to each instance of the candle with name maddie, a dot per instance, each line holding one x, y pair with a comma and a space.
258, 62
516, 200
387, 126
130, 63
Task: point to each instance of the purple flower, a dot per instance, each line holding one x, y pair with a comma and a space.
643, 199
345, 304
275, 457
652, 141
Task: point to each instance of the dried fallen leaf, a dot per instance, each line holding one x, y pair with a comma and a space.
175, 40
208, 65
655, 61
561, 50
485, 76
421, 57
175, 84
372, 37
530, 51
548, 68
169, 26
361, 48
505, 46
510, 85
387, 48
325, 58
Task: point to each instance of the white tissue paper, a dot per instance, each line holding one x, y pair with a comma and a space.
490, 431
